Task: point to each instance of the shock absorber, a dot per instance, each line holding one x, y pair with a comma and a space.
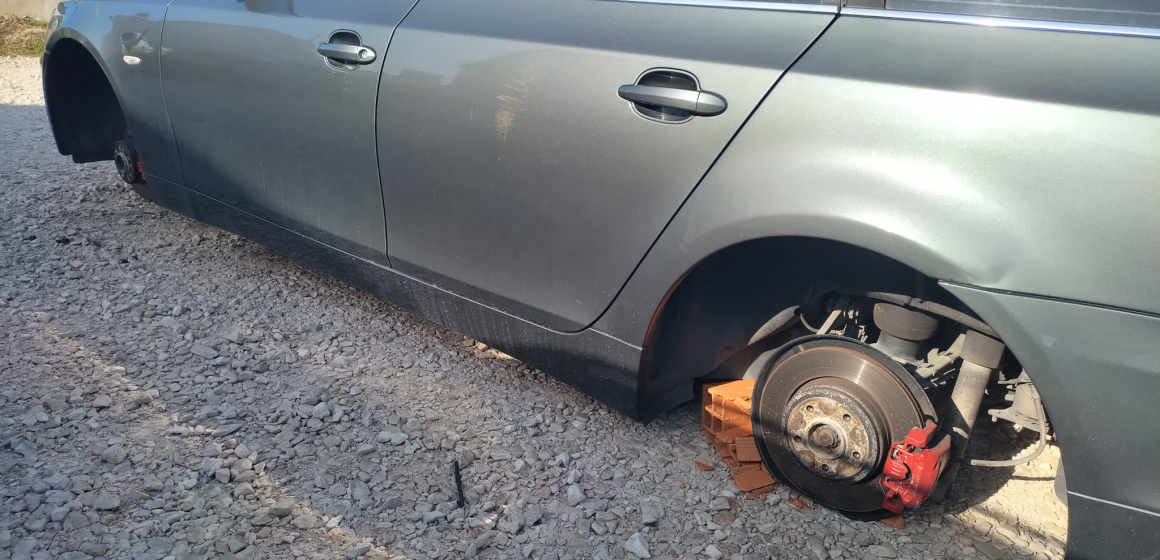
981, 355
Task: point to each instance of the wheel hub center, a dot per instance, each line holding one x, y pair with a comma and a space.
826, 436
831, 435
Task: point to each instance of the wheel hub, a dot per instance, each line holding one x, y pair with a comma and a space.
828, 434
826, 410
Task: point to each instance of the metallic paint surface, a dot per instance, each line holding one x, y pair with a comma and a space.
513, 172
1097, 370
264, 123
934, 145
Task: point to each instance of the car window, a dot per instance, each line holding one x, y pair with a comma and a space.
1137, 13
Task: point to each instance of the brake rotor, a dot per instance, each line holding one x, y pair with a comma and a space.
826, 410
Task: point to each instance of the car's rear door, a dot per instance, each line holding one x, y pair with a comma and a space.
269, 123
513, 170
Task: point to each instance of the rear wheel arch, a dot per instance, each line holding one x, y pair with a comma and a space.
714, 308
83, 107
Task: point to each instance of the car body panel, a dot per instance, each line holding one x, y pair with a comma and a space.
930, 144
513, 172
126, 36
1092, 365
265, 124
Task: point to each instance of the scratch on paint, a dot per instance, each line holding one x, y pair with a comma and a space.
511, 105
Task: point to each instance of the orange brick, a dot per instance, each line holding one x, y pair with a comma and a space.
722, 448
707, 406
726, 405
895, 521
731, 435
752, 480
759, 493
740, 388
703, 466
745, 450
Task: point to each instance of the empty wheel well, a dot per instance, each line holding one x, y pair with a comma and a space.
726, 298
86, 117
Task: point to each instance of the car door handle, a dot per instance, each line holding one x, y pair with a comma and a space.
349, 54
691, 101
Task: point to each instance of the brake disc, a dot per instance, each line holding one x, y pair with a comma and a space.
826, 410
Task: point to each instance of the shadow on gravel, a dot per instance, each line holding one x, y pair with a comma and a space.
992, 441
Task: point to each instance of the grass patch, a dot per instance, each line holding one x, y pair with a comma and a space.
22, 36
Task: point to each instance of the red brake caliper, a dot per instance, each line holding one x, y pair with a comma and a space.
912, 468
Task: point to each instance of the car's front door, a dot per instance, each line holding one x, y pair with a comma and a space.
527, 160
273, 106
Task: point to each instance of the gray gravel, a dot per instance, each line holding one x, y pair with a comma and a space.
169, 390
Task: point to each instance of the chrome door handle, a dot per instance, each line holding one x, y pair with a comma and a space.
693, 102
349, 54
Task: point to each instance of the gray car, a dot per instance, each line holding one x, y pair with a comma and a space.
891, 215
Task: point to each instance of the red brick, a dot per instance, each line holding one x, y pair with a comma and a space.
752, 480
745, 450
760, 493
726, 405
731, 435
895, 521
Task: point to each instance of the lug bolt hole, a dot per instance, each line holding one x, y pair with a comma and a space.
857, 455
797, 439
809, 408
846, 417
825, 467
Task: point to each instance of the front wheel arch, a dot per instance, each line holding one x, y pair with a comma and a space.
83, 108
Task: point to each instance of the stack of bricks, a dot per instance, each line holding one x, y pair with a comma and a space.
726, 421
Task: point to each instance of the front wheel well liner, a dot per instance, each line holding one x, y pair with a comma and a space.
86, 117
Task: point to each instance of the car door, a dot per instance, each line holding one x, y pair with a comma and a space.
273, 106
529, 159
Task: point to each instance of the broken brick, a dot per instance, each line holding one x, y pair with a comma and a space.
723, 449
726, 405
745, 450
733, 434
895, 521
752, 480
703, 466
759, 493
738, 468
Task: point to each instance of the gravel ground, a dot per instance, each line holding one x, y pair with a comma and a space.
169, 390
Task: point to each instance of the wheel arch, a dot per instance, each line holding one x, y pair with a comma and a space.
83, 104
715, 306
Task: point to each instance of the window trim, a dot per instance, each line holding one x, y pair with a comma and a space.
933, 17
1010, 23
746, 5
